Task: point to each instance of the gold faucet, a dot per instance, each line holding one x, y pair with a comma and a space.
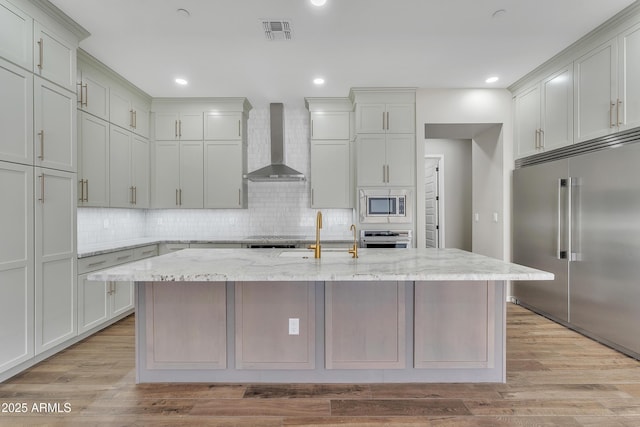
354, 249
317, 248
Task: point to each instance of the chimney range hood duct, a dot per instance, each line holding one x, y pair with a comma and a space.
277, 170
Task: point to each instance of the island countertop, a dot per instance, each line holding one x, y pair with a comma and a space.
235, 265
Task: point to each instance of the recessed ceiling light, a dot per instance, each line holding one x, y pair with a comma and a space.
318, 2
181, 82
318, 81
492, 79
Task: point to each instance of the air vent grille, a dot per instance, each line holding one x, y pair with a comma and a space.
277, 29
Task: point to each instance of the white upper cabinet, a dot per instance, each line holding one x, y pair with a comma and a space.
54, 126
385, 118
93, 161
385, 160
331, 184
595, 99
93, 91
16, 35
179, 174
128, 111
54, 58
224, 165
629, 78
544, 114
128, 169
16, 114
330, 125
174, 126
222, 125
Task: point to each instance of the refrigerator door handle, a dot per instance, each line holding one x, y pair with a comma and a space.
561, 252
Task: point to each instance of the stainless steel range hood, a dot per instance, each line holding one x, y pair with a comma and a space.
277, 170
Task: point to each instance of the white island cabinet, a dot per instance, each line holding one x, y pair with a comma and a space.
391, 315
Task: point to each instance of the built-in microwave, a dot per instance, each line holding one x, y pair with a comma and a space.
385, 205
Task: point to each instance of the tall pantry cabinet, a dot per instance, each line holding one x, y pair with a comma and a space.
37, 181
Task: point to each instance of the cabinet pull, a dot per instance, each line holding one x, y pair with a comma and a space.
611, 105
40, 53
388, 178
384, 126
181, 197
130, 118
131, 195
536, 140
41, 199
86, 182
180, 128
86, 94
177, 197
176, 128
41, 135
387, 120
384, 173
135, 195
239, 197
135, 119
618, 112
123, 257
97, 263
541, 133
80, 93
239, 129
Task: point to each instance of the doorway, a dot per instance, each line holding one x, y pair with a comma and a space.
432, 200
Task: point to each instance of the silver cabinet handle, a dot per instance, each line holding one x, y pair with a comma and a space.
86, 182
131, 195
135, 195
541, 139
41, 199
239, 197
177, 204
388, 176
384, 173
97, 263
239, 129
176, 128
180, 128
611, 124
384, 125
618, 112
80, 93
41, 135
81, 182
537, 140
86, 93
387, 120
40, 53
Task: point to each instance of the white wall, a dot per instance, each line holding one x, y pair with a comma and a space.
457, 196
274, 208
474, 106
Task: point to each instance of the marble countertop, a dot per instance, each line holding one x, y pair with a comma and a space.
299, 265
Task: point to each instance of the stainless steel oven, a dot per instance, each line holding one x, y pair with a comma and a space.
385, 205
385, 239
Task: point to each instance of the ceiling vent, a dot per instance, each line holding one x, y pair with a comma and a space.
277, 30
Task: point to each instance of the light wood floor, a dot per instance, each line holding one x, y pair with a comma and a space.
555, 378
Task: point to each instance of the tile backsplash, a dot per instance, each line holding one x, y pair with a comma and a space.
275, 208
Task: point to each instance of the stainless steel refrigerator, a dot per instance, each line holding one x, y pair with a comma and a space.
579, 218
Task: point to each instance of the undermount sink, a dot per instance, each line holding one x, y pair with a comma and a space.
307, 253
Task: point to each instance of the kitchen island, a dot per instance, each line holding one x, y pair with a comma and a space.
391, 315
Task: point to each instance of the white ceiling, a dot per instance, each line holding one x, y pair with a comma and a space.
221, 48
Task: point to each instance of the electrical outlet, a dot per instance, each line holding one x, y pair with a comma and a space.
294, 326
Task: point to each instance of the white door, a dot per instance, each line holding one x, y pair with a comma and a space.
93, 93
431, 205
527, 117
222, 126
191, 175
223, 174
595, 91
54, 58
557, 110
370, 118
190, 127
371, 160
16, 35
120, 110
120, 187
16, 118
93, 303
400, 154
55, 259
54, 126
121, 297
93, 165
629, 78
16, 265
166, 126
167, 174
401, 118
140, 119
330, 125
330, 174
140, 171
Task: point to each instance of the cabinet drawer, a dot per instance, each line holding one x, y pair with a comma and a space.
100, 262
145, 252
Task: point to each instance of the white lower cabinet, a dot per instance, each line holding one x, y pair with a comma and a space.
101, 302
16, 265
55, 258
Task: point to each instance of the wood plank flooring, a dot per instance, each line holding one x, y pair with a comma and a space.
556, 377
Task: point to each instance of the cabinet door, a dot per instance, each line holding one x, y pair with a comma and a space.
330, 125
93, 304
629, 78
93, 165
222, 126
330, 174
16, 35
140, 119
527, 117
191, 175
16, 113
595, 90
140, 173
54, 58
120, 109
16, 265
223, 174
93, 93
167, 174
55, 258
557, 110
54, 126
400, 160
166, 126
370, 118
120, 181
190, 126
371, 159
401, 118
121, 297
